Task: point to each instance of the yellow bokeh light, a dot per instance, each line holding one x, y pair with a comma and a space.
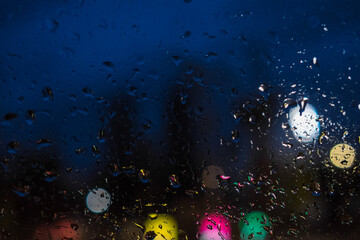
342, 155
162, 226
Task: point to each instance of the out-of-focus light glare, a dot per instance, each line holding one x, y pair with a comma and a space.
215, 227
130, 230
257, 227
304, 123
61, 229
342, 155
209, 176
98, 200
160, 227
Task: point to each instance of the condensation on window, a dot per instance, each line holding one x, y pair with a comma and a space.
177, 120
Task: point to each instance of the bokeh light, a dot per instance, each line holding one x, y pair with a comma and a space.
98, 200
209, 176
304, 123
160, 227
257, 226
342, 155
66, 228
215, 226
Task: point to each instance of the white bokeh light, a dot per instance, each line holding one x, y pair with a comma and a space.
305, 125
98, 200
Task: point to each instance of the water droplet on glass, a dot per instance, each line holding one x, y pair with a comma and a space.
74, 226
303, 103
262, 88
289, 102
285, 126
174, 181
44, 143
144, 175
150, 235
10, 116
235, 136
287, 144
315, 61
47, 93
50, 176
88, 92
101, 136
31, 117
183, 96
13, 147
176, 60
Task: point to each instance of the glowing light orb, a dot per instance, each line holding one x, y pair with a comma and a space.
304, 123
215, 227
98, 200
129, 231
342, 155
257, 227
61, 229
209, 176
161, 227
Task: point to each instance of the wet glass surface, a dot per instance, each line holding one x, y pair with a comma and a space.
183, 119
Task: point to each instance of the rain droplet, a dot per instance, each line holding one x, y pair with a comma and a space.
10, 116
187, 34
346, 219
47, 93
109, 65
153, 216
287, 145
31, 117
183, 96
191, 193
315, 61
88, 92
74, 226
95, 150
44, 142
101, 136
303, 103
174, 181
235, 136
151, 235
176, 60
262, 88
288, 102
50, 176
147, 124
144, 175
13, 146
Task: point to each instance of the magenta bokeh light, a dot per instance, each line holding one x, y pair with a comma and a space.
215, 226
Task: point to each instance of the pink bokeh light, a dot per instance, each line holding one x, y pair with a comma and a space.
215, 226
